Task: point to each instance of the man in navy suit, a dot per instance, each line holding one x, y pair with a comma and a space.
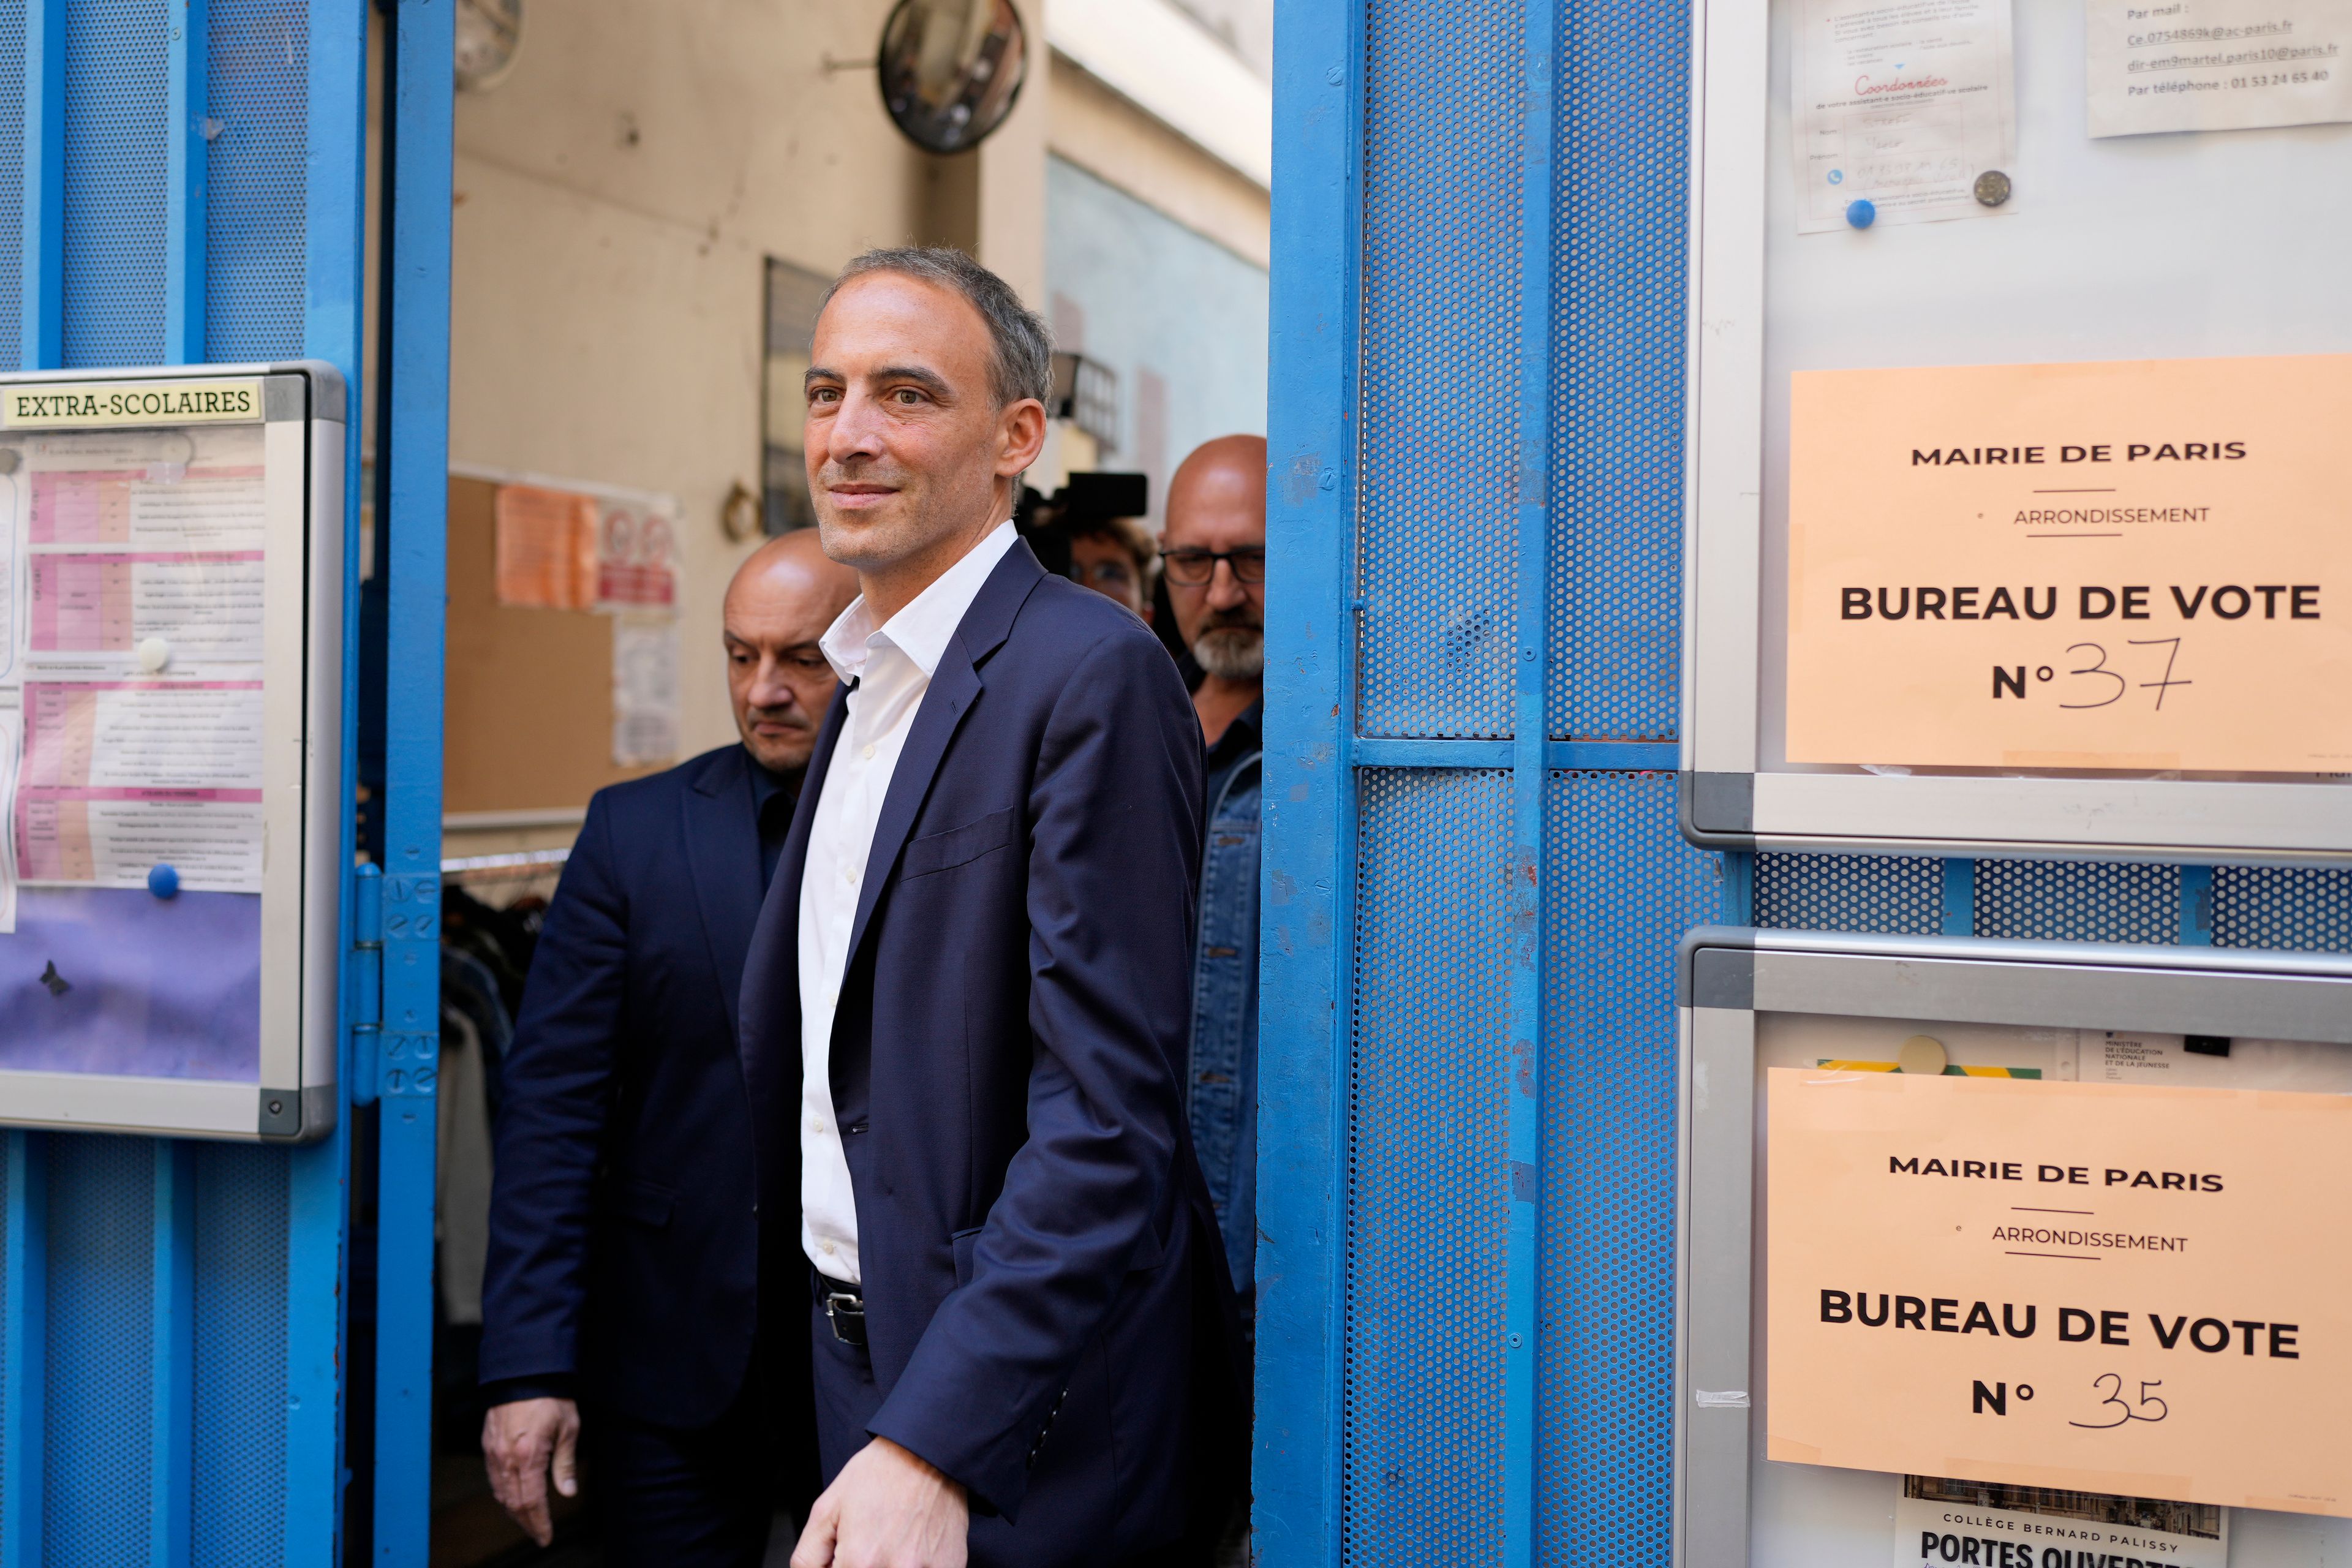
624, 1258
967, 996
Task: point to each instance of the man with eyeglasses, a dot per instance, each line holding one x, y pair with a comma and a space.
1213, 552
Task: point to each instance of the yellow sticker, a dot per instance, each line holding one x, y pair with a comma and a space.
83, 404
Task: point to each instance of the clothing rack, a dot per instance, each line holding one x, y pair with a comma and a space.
521, 865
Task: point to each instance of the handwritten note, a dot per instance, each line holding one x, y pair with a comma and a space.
1904, 103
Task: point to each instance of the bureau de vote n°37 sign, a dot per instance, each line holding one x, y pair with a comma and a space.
2135, 565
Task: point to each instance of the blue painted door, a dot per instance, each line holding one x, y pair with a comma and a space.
1474, 878
181, 181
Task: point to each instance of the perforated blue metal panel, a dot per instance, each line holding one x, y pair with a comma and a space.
1620, 300
6, 1306
190, 1415
240, 1372
12, 177
2076, 900
1849, 892
100, 1347
1424, 1278
255, 179
1620, 889
2282, 906
115, 149
1441, 298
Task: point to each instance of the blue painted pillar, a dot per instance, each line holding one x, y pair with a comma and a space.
415, 299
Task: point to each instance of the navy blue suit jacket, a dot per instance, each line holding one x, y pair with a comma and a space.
624, 1245
1036, 1245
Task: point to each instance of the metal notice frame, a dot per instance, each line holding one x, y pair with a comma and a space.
304, 420
1963, 293
1727, 976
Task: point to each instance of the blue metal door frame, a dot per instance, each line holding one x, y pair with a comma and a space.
414, 482
182, 181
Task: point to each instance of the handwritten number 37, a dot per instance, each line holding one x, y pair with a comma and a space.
2124, 1412
2098, 666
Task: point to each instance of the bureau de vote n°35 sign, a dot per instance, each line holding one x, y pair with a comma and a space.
2103, 1288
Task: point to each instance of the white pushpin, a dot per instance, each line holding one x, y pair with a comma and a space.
154, 653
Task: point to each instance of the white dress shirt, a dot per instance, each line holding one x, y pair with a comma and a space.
891, 669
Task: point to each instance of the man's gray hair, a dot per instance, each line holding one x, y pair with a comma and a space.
1022, 365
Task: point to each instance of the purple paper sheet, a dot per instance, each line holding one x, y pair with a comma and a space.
156, 987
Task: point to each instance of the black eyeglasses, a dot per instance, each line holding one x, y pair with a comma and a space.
1194, 568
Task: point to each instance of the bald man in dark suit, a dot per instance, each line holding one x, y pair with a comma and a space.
623, 1261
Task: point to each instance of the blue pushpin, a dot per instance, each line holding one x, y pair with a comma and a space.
1862, 212
163, 880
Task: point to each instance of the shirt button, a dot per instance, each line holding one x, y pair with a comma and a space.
825, 1247
868, 753
816, 1124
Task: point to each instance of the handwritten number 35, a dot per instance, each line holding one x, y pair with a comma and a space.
2124, 1412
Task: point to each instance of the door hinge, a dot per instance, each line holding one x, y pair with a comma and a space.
367, 984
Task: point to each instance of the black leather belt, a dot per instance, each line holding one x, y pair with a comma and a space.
844, 1309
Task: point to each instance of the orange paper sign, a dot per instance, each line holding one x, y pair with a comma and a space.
547, 548
2094, 1286
2135, 566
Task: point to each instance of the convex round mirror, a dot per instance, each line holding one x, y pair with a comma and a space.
950, 69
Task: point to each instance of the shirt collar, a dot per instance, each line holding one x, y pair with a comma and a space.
767, 784
922, 629
1244, 733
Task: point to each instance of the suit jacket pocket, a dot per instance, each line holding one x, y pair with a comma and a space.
963, 1241
958, 845
644, 1202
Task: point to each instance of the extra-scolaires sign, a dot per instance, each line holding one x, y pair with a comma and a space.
83, 404
2098, 1287
2133, 565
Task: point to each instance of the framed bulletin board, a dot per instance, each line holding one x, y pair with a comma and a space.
171, 749
536, 691
2020, 505
2015, 1243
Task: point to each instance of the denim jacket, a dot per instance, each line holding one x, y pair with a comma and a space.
1222, 1093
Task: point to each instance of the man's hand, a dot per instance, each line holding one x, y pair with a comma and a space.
519, 1442
888, 1509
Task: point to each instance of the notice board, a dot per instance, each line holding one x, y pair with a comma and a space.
538, 681
172, 749
2016, 1242
2019, 509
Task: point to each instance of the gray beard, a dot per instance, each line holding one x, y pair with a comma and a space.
1232, 653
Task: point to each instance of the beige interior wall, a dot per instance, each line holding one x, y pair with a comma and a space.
616, 196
